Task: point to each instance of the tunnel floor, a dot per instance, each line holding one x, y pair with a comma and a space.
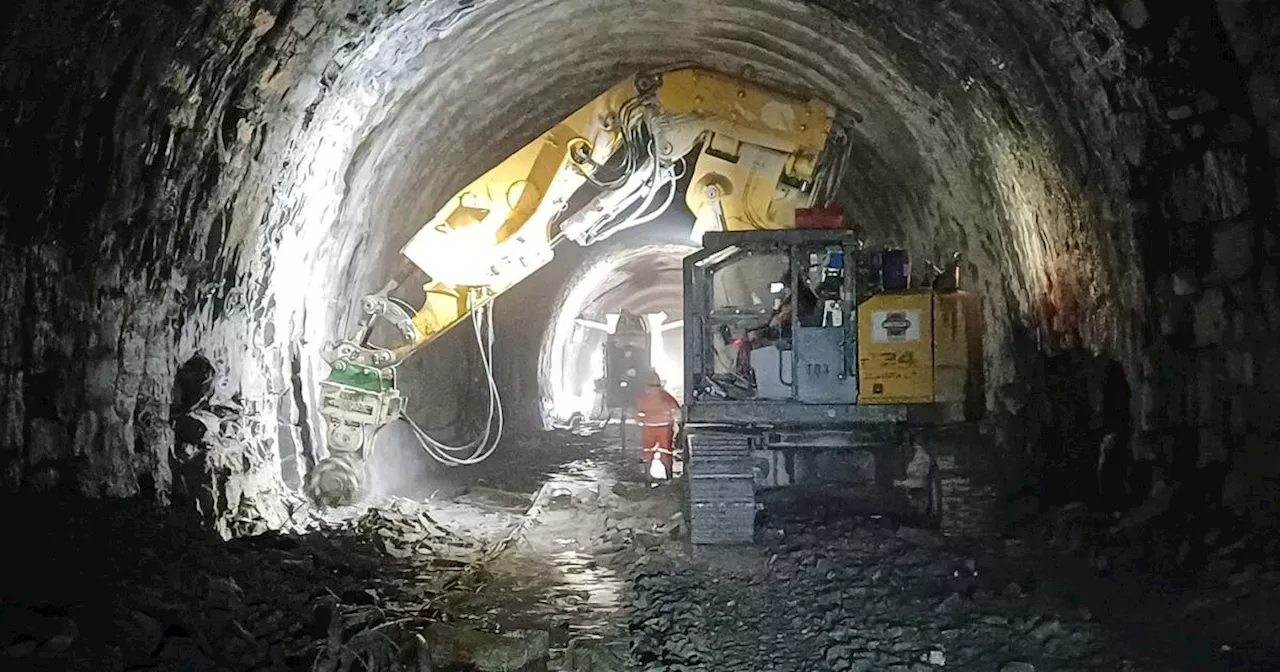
572, 564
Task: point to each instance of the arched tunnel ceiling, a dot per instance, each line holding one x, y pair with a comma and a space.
229, 177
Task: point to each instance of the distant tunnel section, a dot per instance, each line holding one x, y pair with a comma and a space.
645, 282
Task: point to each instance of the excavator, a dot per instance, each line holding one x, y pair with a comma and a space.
758, 163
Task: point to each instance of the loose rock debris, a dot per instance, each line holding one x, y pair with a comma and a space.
403, 587
840, 593
119, 587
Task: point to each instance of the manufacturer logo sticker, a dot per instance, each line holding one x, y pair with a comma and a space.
895, 326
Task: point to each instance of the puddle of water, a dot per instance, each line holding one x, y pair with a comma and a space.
580, 574
552, 581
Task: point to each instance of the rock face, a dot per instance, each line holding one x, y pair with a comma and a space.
149, 234
222, 180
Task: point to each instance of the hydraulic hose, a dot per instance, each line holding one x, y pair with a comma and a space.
483, 447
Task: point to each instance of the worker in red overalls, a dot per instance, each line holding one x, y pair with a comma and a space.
658, 412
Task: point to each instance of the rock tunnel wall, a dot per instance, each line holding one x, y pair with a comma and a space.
1202, 205
170, 153
224, 178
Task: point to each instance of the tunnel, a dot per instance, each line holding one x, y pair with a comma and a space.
204, 190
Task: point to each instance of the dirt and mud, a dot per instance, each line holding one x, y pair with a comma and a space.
573, 563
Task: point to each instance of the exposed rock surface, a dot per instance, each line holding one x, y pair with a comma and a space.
1174, 568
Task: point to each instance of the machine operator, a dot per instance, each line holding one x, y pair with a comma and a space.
779, 325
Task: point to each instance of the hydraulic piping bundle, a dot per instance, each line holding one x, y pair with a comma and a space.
481, 448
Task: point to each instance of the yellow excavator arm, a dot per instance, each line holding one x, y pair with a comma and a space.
759, 155
598, 172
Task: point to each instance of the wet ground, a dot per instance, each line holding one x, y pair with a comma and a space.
571, 562
587, 523
829, 587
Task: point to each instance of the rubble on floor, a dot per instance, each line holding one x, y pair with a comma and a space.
119, 587
455, 647
1195, 570
590, 572
839, 593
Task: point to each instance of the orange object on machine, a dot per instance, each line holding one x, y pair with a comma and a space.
820, 218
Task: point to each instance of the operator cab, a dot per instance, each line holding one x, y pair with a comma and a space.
775, 301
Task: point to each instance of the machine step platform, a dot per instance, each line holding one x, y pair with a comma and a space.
721, 489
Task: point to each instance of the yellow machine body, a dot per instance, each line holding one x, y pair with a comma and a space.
918, 347
757, 146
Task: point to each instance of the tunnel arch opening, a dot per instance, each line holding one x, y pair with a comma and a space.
644, 280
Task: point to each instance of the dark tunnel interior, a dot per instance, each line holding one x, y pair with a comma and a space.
202, 192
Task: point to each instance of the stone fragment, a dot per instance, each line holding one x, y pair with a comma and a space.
648, 539
1233, 250
838, 653
47, 441
193, 385
1265, 94
1240, 367
1018, 666
1046, 630
1213, 448
1133, 139
1269, 291
1226, 183
1210, 318
185, 652
1184, 283
952, 604
1134, 13
1241, 29
1216, 187
1184, 200
1181, 112
1236, 129
1206, 102
193, 428
584, 655
21, 649
487, 652
151, 632
919, 537
40, 627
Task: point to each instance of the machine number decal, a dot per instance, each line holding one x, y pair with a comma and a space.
895, 326
817, 369
899, 359
894, 366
